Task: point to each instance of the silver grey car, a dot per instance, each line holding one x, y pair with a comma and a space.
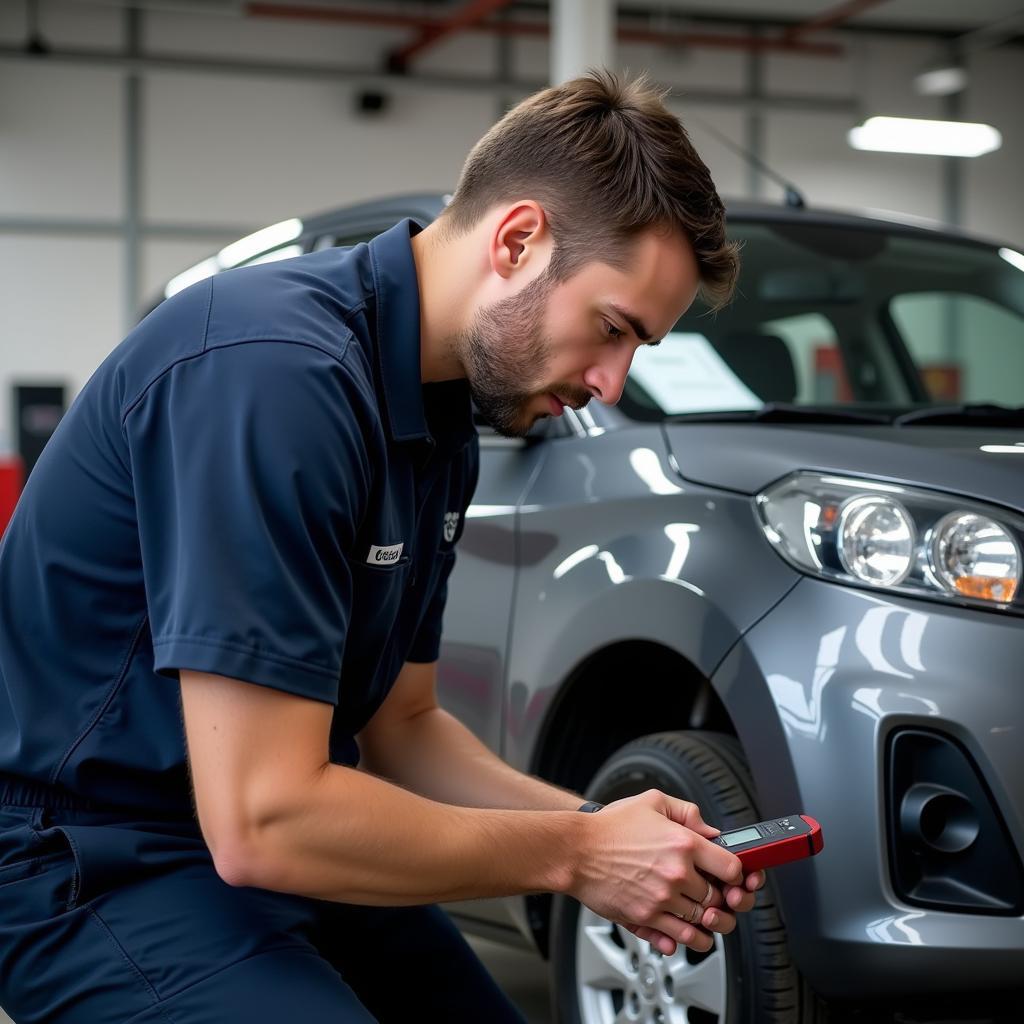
782, 575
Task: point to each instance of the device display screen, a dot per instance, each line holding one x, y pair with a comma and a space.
743, 836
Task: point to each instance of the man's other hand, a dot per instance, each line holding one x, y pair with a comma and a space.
649, 865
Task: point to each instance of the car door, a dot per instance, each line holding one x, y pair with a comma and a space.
477, 618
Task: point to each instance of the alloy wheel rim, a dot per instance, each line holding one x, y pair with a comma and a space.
621, 979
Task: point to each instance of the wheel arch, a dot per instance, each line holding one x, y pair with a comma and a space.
588, 721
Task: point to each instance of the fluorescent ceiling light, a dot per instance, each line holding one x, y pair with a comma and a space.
937, 138
1014, 258
259, 241
941, 81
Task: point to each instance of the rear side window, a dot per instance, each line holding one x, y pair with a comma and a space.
967, 348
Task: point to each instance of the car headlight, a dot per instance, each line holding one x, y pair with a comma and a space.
902, 539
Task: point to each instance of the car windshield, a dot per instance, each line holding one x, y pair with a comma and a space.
845, 320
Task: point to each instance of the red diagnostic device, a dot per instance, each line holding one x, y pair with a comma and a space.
771, 843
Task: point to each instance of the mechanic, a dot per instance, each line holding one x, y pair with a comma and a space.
257, 496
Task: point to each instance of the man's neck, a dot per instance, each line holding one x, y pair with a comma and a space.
445, 280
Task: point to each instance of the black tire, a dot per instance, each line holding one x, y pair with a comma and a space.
761, 983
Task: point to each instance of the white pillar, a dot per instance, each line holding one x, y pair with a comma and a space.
582, 37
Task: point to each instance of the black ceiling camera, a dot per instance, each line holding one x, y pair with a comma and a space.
371, 102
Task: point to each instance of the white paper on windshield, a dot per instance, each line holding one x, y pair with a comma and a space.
685, 374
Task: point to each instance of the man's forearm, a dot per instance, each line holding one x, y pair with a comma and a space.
435, 755
351, 837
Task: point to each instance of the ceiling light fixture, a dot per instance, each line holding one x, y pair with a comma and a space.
941, 80
934, 138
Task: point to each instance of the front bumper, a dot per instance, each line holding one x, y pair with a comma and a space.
816, 690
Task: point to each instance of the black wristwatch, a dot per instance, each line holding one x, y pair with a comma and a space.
590, 806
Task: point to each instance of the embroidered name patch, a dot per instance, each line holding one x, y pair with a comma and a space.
385, 555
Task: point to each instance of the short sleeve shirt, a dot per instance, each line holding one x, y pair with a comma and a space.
255, 483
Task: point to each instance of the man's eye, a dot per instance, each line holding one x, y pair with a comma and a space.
613, 331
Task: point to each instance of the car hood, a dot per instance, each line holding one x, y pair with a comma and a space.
747, 457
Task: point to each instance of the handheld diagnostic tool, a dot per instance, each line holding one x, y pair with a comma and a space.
771, 843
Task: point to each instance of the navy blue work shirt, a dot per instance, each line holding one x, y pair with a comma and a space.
254, 483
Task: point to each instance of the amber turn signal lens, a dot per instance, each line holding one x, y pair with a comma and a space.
986, 588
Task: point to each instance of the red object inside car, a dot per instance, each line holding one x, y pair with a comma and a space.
12, 479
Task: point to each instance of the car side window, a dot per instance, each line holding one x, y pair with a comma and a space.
968, 348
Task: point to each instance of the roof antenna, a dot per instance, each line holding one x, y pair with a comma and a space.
794, 197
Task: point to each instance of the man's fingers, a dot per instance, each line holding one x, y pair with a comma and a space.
738, 899
686, 934
685, 909
718, 862
705, 830
713, 858
663, 943
721, 921
683, 812
717, 918
703, 891
742, 898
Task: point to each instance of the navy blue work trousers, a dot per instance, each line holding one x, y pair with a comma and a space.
104, 921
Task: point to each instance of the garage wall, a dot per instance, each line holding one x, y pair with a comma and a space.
244, 151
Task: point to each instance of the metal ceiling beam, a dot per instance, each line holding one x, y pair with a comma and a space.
426, 25
342, 15
472, 13
118, 61
116, 228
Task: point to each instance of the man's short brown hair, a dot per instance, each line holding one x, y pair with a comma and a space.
607, 160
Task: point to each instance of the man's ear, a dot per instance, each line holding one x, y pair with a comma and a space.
520, 239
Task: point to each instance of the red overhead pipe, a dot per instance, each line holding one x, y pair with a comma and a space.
432, 26
832, 17
467, 16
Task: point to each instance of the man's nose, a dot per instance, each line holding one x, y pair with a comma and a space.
607, 378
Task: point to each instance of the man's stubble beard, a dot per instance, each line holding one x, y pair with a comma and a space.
506, 355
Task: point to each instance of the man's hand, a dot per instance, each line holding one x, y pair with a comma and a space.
650, 867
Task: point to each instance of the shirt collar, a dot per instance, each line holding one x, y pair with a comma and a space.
398, 346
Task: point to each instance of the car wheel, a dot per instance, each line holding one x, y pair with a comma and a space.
603, 974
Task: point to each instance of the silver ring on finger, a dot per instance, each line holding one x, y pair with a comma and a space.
708, 895
698, 912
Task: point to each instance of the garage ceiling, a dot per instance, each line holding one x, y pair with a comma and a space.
942, 16
926, 15
796, 26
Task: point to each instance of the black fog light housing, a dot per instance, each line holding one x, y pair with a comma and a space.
949, 847
939, 818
